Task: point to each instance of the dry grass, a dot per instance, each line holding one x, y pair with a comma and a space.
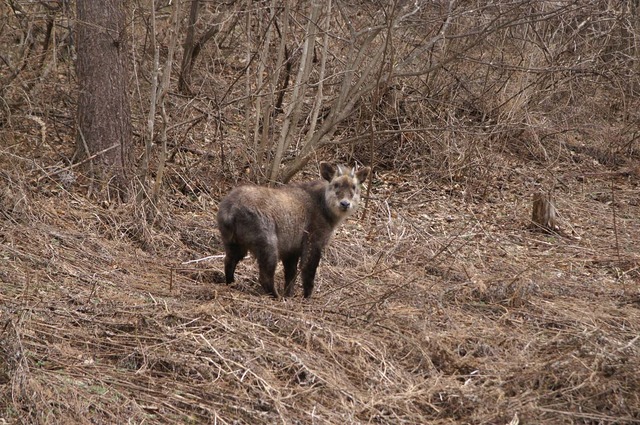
439, 307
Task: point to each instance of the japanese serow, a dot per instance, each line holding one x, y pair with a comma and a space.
291, 224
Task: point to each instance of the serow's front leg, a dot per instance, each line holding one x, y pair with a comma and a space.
308, 270
290, 271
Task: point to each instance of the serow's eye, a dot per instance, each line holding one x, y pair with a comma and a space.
353, 187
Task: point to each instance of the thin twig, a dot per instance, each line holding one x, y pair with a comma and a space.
77, 164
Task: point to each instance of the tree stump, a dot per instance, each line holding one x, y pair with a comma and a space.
544, 213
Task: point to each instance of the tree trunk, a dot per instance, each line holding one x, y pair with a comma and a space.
188, 56
543, 212
104, 112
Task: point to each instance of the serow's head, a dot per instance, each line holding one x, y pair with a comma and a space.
343, 191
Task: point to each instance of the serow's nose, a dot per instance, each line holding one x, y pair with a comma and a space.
345, 204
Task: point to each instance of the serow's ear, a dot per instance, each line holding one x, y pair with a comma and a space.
327, 171
362, 174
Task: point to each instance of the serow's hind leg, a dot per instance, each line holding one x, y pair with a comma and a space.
267, 262
234, 254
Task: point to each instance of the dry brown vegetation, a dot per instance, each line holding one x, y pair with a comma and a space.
440, 303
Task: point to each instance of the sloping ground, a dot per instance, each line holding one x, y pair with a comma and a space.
440, 306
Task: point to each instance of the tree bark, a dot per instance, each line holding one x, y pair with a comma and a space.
543, 212
188, 55
104, 111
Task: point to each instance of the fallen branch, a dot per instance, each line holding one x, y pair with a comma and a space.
77, 164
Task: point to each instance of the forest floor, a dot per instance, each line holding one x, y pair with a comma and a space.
440, 305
